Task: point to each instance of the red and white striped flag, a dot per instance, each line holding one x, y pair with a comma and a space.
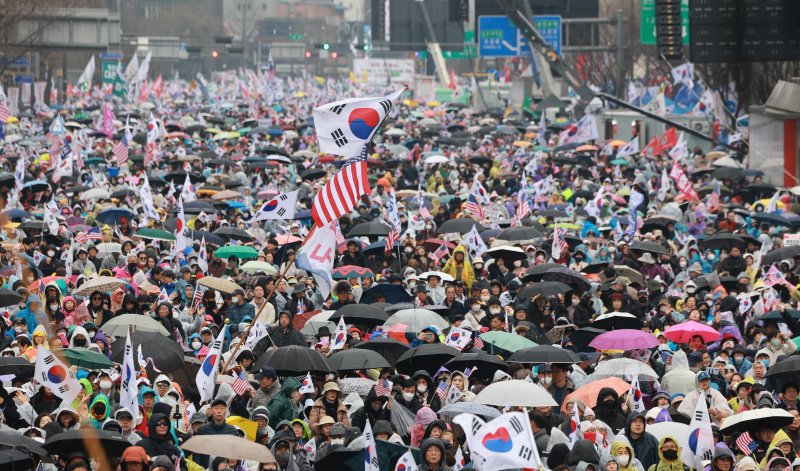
559, 243
120, 151
92, 234
391, 239
522, 210
746, 444
478, 342
441, 389
338, 231
713, 198
340, 194
424, 213
774, 277
474, 207
441, 252
383, 388
4, 113
240, 385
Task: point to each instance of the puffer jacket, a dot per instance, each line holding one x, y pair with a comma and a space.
155, 445
281, 407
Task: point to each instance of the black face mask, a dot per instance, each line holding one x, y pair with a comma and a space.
132, 268
609, 404
670, 455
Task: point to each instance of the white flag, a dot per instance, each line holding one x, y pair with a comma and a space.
664, 187
772, 205
129, 392
132, 68
475, 244
680, 149
51, 218
701, 441
257, 331
282, 206
146, 198
140, 360
56, 376
343, 127
460, 461
631, 148
202, 256
684, 74
207, 373
153, 130
583, 131
68, 257
311, 450
505, 442
19, 174
657, 105
144, 69
479, 192
458, 337
340, 336
453, 395
407, 463
635, 395
88, 73
541, 134
307, 386
180, 236
316, 257
187, 191
370, 449
574, 425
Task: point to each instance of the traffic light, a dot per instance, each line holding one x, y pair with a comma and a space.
308, 54
365, 47
334, 54
326, 46
214, 53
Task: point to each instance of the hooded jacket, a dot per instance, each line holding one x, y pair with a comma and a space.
463, 271
713, 398
621, 442
469, 396
664, 464
99, 402
582, 451
281, 406
364, 413
155, 445
779, 438
173, 326
613, 417
28, 314
11, 416
679, 379
79, 331
79, 315
429, 397
426, 444
284, 337
646, 446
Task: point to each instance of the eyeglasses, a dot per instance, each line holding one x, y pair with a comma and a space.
96, 298
162, 423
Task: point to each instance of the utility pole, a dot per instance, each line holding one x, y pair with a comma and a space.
434, 49
620, 59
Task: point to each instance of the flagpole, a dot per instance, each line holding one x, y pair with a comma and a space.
266, 301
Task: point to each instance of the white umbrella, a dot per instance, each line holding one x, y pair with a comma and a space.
316, 322
118, 326
623, 367
416, 319
394, 132
727, 161
754, 419
229, 446
516, 393
95, 194
254, 266
436, 159
442, 276
676, 430
108, 248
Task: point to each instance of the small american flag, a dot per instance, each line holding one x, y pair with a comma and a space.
713, 199
391, 239
474, 207
383, 388
92, 234
441, 252
424, 213
120, 150
746, 444
522, 210
478, 342
774, 277
4, 113
337, 229
441, 390
240, 385
342, 191
468, 372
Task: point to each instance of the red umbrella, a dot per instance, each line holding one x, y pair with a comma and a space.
433, 244
351, 271
683, 332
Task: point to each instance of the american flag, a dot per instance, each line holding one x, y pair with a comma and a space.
391, 239
441, 252
473, 206
240, 385
746, 444
559, 242
713, 198
337, 229
441, 390
120, 151
773, 277
383, 388
468, 372
198, 296
342, 191
92, 234
478, 342
522, 210
4, 113
424, 213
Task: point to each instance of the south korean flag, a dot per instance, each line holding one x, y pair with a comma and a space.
343, 127
282, 206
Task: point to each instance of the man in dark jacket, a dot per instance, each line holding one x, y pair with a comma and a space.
426, 390
584, 311
373, 410
216, 426
645, 446
608, 409
408, 396
284, 334
159, 440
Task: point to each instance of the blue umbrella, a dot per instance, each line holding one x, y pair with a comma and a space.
378, 247
33, 183
392, 293
113, 215
17, 213
236, 205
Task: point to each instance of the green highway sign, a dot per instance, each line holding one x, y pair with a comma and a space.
109, 71
648, 26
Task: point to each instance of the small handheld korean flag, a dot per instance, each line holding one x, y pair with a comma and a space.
207, 373
282, 206
55, 375
307, 387
163, 297
129, 392
574, 425
340, 336
505, 442
453, 395
311, 450
700, 446
458, 337
370, 450
635, 395
406, 462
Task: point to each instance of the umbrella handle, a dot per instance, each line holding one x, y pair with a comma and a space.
266, 300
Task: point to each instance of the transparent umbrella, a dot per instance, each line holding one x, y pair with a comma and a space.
416, 320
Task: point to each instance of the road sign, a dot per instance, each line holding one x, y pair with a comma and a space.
110, 56
109, 71
648, 26
23, 78
499, 37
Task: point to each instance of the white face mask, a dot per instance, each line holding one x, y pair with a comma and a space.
105, 385
517, 263
545, 381
337, 441
485, 297
623, 460
196, 345
235, 299
423, 388
18, 329
476, 307
50, 253
54, 307
408, 396
494, 310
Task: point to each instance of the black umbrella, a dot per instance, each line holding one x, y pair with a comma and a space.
582, 337
124, 193
293, 360
459, 225
552, 213
360, 314
487, 364
23, 444
392, 293
568, 277
519, 233
114, 444
544, 354
616, 321
234, 233
9, 298
428, 357
388, 348
658, 221
647, 246
372, 228
179, 177
14, 366
536, 272
788, 366
360, 359
313, 174
772, 219
16, 460
33, 224
722, 241
775, 256
210, 237
167, 354
727, 173
544, 288
480, 160
198, 206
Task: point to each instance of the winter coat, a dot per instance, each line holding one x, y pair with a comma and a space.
155, 445
426, 444
281, 406
614, 418
284, 337
262, 397
665, 465
364, 413
646, 446
318, 411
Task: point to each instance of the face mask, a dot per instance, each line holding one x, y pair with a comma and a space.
282, 458
494, 310
612, 249
765, 363
734, 386
670, 455
196, 345
711, 256
105, 384
50, 253
54, 307
545, 381
682, 264
409, 251
423, 388
18, 329
235, 299
775, 342
623, 460
476, 307
79, 343
337, 441
591, 436
408, 396
517, 263
609, 404
575, 301
485, 297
